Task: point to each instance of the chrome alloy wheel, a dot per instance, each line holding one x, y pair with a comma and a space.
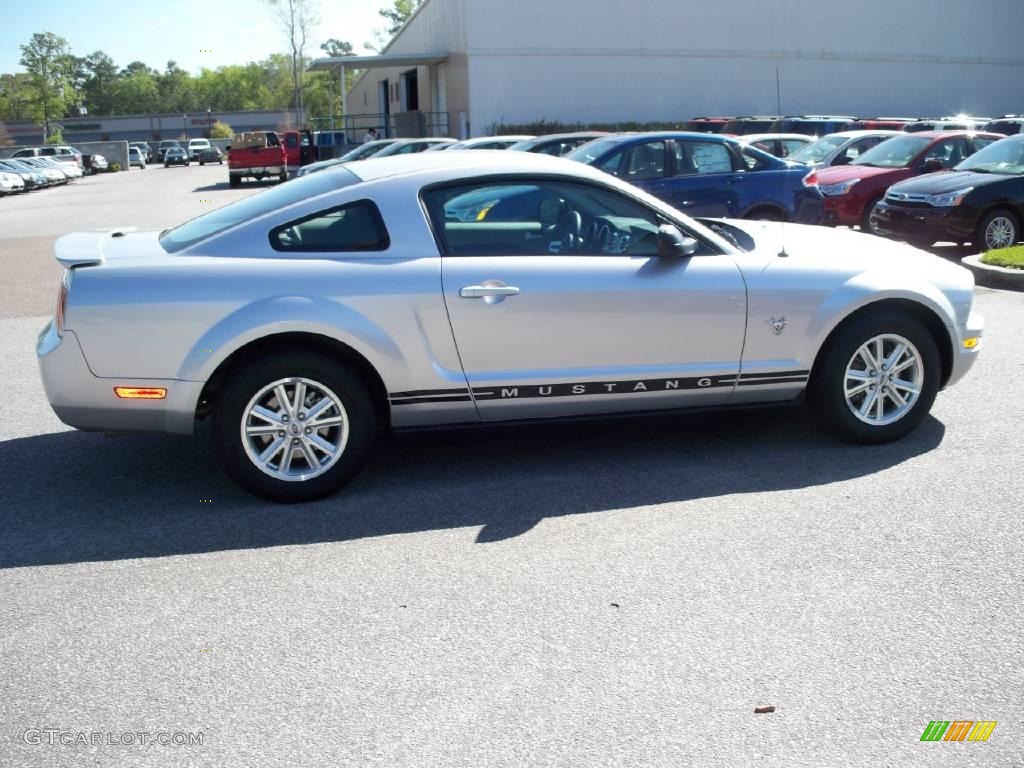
883, 380
1000, 233
295, 429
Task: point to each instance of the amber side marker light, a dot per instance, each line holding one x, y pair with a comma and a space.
972, 343
141, 393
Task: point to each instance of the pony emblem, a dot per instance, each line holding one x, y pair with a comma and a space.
777, 324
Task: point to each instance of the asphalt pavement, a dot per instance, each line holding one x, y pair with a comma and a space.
621, 593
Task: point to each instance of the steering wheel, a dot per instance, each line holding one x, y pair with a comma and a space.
291, 237
567, 232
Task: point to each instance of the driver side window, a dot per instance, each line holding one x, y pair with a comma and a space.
539, 218
638, 162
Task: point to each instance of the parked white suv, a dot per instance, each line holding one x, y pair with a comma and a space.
195, 146
61, 153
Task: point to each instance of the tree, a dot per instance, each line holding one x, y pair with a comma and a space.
176, 90
221, 130
334, 48
297, 18
98, 88
400, 13
48, 63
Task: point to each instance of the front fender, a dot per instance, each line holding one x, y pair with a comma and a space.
290, 314
868, 288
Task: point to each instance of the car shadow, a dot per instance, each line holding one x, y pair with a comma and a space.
225, 185
76, 497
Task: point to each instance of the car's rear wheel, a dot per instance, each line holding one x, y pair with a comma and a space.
877, 380
999, 229
234, 181
294, 427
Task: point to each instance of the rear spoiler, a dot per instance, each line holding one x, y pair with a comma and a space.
83, 249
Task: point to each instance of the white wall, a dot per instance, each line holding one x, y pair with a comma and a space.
609, 60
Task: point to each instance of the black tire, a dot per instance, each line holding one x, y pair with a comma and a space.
282, 178
765, 214
980, 238
245, 383
202, 162
865, 220
826, 393
234, 181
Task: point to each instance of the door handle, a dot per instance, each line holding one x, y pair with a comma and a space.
488, 291
735, 179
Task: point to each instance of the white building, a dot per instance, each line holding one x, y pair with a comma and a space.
485, 62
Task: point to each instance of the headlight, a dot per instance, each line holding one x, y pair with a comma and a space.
838, 189
949, 199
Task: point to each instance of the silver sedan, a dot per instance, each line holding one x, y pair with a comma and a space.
476, 287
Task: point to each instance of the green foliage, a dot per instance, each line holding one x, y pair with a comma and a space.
55, 138
396, 16
334, 47
49, 67
113, 168
1011, 258
221, 130
58, 83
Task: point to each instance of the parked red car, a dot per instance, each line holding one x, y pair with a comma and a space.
851, 191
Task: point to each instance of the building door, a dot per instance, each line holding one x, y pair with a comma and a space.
410, 91
384, 96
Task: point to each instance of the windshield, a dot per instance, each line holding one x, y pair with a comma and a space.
592, 150
894, 153
1006, 156
818, 151
281, 196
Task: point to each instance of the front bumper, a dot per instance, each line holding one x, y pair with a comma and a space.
88, 402
843, 210
923, 223
963, 357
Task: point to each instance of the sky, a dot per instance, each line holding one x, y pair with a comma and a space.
194, 33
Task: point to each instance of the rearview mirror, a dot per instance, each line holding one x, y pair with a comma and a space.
673, 243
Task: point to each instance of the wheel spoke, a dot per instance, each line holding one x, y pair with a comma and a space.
318, 406
272, 450
896, 397
857, 389
267, 415
263, 429
907, 386
869, 402
300, 397
896, 356
322, 444
880, 406
286, 459
282, 399
330, 421
868, 358
307, 452
903, 366
859, 375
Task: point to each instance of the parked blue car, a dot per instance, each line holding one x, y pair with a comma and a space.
707, 175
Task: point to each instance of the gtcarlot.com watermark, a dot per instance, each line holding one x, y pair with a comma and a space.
59, 737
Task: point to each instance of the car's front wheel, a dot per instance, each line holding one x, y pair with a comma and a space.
294, 427
999, 229
877, 380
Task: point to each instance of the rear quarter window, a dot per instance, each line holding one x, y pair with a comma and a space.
353, 227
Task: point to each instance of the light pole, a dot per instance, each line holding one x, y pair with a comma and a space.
209, 123
184, 124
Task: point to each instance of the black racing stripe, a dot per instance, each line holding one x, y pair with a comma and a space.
584, 388
784, 380
773, 374
423, 392
439, 399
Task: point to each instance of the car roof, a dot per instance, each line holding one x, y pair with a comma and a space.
860, 132
947, 134
748, 137
622, 138
480, 163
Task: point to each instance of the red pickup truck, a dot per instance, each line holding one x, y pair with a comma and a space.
264, 154
256, 155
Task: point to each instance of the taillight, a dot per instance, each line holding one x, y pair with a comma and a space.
62, 303
811, 179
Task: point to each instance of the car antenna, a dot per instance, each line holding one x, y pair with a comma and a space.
778, 111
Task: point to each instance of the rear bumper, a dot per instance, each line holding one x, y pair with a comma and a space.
925, 223
260, 170
87, 402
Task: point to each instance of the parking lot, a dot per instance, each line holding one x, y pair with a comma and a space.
616, 593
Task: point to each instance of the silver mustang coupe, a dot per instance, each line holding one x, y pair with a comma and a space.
473, 287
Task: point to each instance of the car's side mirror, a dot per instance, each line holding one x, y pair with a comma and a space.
932, 165
842, 160
227, 148
674, 244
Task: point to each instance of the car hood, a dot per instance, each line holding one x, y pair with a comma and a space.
948, 181
841, 255
839, 174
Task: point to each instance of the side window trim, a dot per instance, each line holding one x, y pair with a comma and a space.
381, 245
445, 250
